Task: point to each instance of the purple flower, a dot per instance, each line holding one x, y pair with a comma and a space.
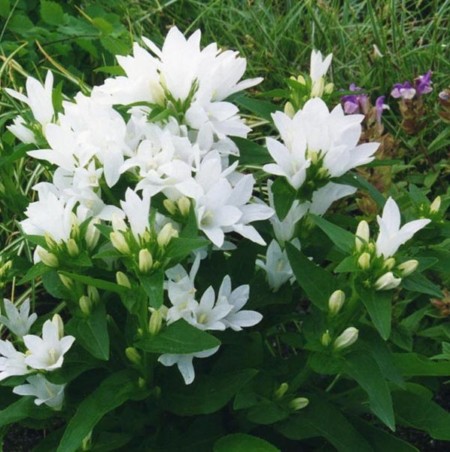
423, 84
355, 103
380, 106
403, 90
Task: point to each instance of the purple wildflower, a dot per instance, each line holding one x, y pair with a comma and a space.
423, 84
355, 103
380, 106
403, 90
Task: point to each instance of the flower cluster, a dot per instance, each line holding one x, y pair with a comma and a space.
35, 354
407, 90
377, 258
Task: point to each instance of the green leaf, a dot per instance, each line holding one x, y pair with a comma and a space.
110, 394
16, 411
379, 307
415, 365
99, 283
206, 395
423, 414
154, 287
355, 180
181, 247
321, 418
92, 333
261, 108
364, 369
343, 239
418, 283
251, 153
34, 272
241, 442
380, 440
283, 196
52, 13
314, 280
179, 338
5, 8
347, 265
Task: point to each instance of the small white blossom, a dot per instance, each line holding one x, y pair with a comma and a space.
18, 321
44, 392
47, 353
12, 362
391, 235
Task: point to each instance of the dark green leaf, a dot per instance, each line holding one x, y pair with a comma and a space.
110, 394
241, 442
379, 307
99, 283
423, 414
418, 283
207, 394
181, 247
179, 338
415, 365
52, 13
251, 153
34, 272
261, 108
153, 286
92, 333
364, 369
343, 239
314, 280
321, 418
283, 196
347, 265
16, 411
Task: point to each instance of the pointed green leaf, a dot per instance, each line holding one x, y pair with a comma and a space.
154, 287
99, 283
241, 442
251, 153
16, 411
314, 280
415, 365
364, 369
179, 338
419, 283
181, 247
283, 196
110, 394
343, 239
379, 307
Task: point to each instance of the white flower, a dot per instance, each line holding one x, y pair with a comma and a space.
47, 353
12, 362
18, 321
277, 266
19, 129
319, 65
39, 98
137, 211
347, 338
237, 318
184, 362
391, 235
45, 392
325, 196
387, 282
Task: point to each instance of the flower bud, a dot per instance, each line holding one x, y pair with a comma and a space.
184, 205
133, 355
92, 234
166, 234
289, 110
318, 87
170, 206
156, 320
281, 391
47, 258
85, 304
4, 269
299, 403
364, 261
93, 294
362, 234
72, 248
67, 282
145, 261
329, 88
57, 321
300, 79
118, 223
50, 241
408, 267
122, 280
347, 338
435, 205
75, 230
389, 263
326, 339
387, 282
336, 301
119, 243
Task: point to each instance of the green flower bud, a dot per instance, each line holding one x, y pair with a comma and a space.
72, 248
122, 280
435, 205
119, 243
47, 258
184, 205
85, 304
336, 301
362, 235
389, 263
92, 234
364, 261
57, 321
166, 234
281, 391
145, 261
133, 355
170, 206
289, 110
387, 282
326, 339
408, 267
67, 282
299, 403
93, 294
347, 338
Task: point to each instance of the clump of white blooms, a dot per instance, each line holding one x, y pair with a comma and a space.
34, 355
